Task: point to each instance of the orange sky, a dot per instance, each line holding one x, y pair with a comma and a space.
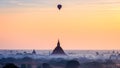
85, 26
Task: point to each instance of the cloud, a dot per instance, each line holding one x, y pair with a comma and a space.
50, 3
25, 3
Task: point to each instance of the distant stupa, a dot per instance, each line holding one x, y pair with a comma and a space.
33, 52
58, 50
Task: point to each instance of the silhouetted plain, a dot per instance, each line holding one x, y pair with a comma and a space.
73, 64
10, 65
46, 65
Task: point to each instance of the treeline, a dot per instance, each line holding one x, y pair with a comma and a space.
28, 62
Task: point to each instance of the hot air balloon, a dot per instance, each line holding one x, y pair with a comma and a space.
59, 6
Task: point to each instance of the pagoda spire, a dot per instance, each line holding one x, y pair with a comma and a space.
58, 50
58, 44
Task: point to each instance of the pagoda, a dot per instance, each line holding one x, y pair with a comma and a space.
58, 50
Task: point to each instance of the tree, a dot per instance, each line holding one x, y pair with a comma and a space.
10, 65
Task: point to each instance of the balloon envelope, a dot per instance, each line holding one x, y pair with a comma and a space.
59, 6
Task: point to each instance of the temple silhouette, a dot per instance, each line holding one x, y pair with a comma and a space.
58, 50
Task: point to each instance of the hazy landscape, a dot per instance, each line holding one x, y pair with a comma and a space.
87, 33
86, 58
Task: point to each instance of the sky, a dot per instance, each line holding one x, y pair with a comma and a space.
79, 25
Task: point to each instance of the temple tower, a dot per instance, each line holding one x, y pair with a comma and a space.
58, 50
